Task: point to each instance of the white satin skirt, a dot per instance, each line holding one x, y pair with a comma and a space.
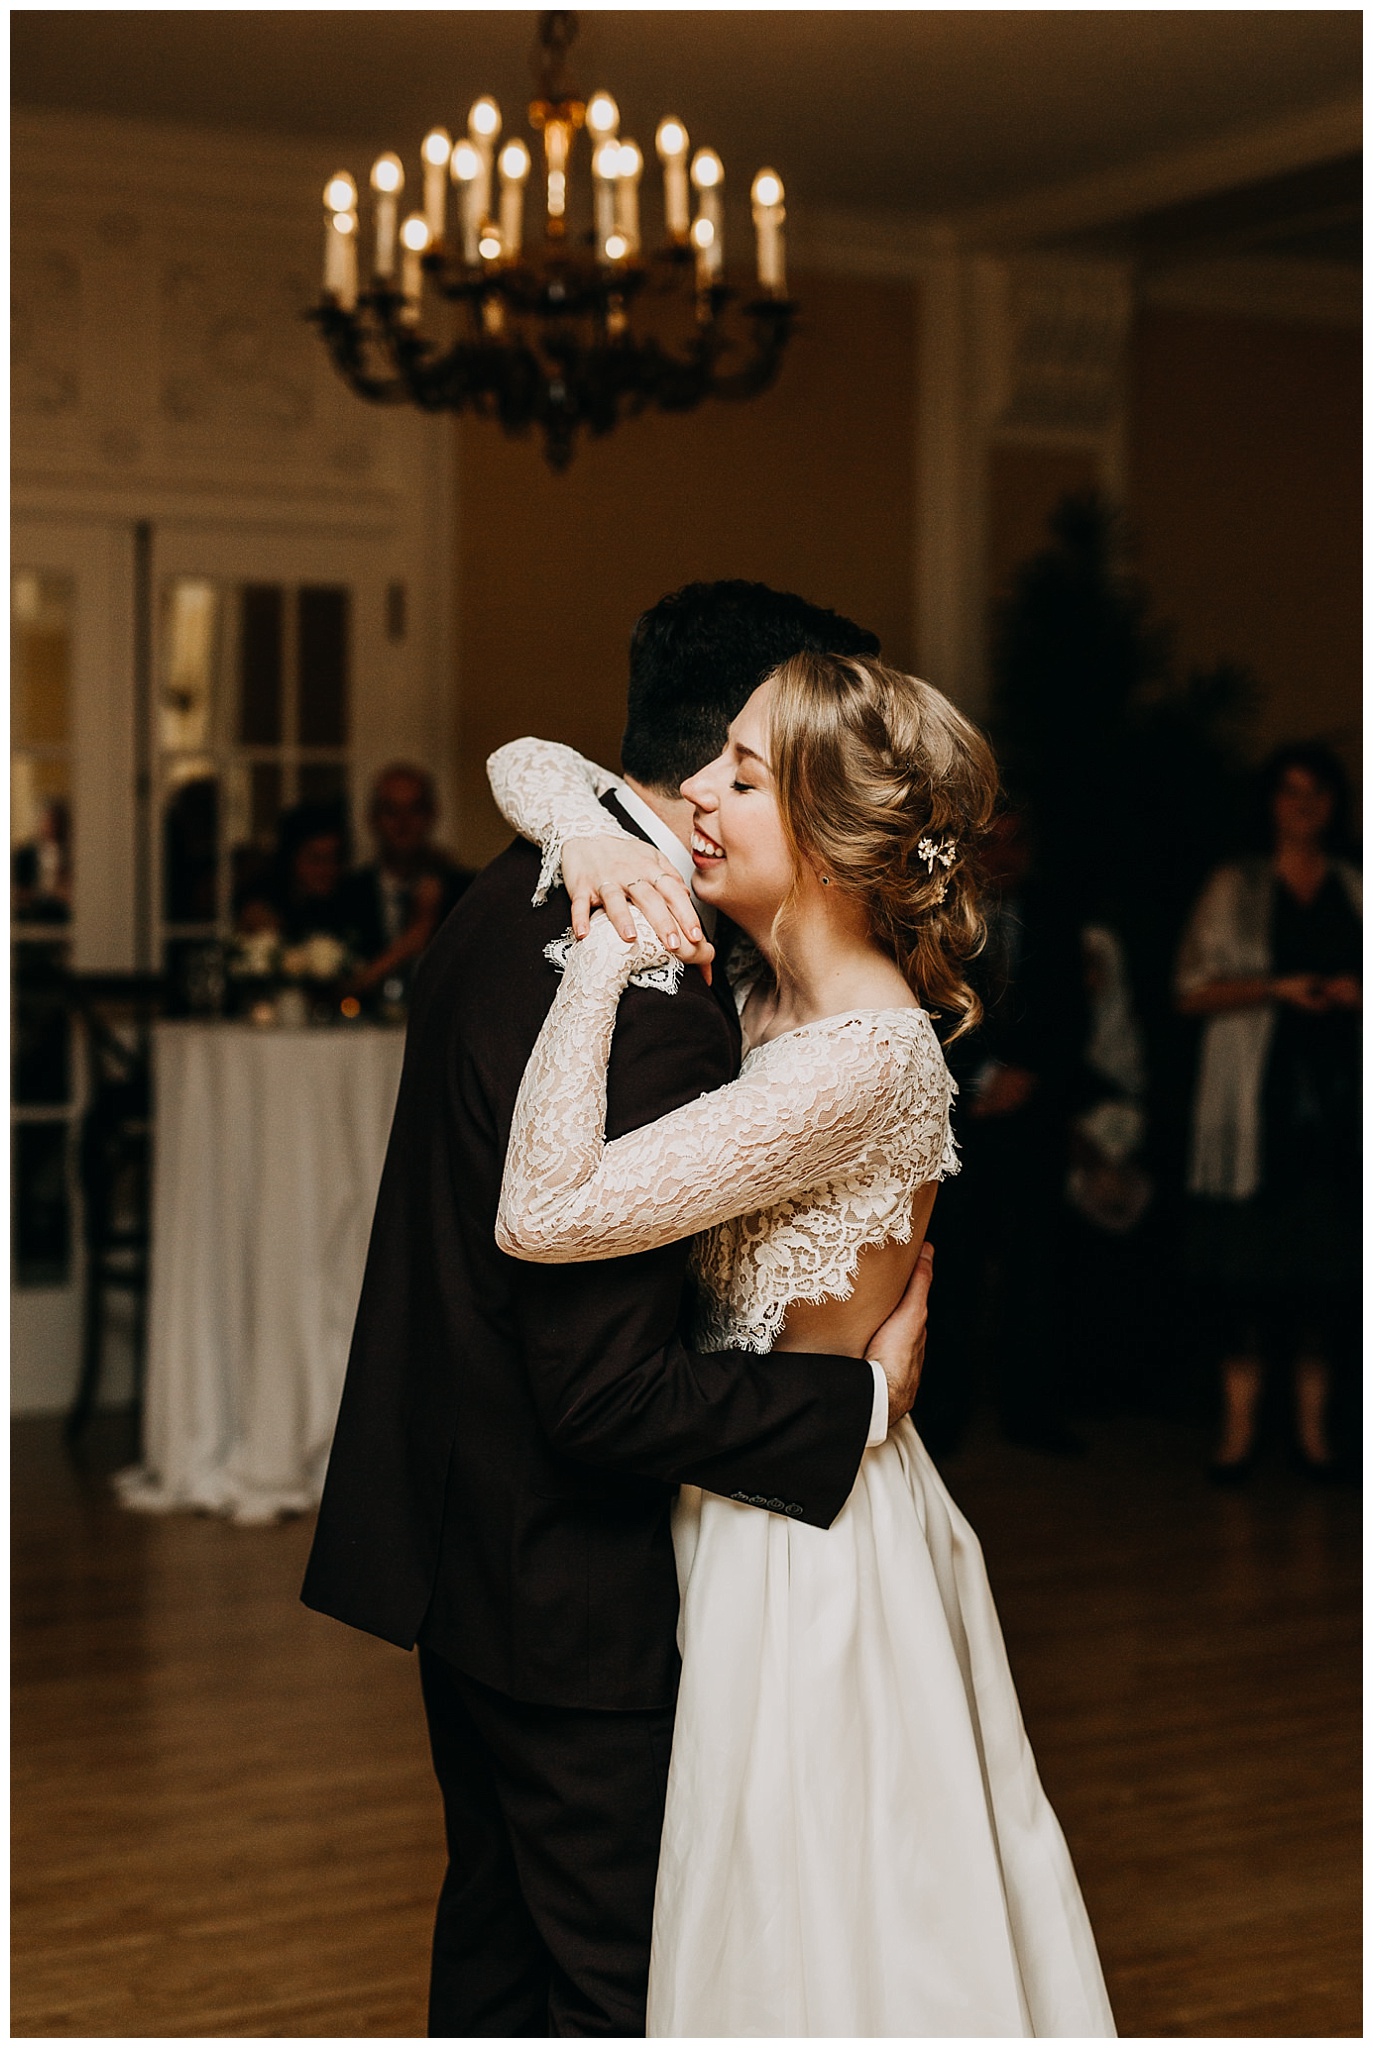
856, 1840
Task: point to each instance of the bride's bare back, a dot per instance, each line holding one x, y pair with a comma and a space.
847, 1327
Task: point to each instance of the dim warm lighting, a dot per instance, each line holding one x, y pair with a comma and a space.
602, 114
544, 319
350, 1007
466, 163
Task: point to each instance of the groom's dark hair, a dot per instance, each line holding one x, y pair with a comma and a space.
697, 656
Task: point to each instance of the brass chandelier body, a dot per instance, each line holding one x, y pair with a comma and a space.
547, 339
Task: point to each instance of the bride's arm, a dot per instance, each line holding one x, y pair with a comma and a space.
567, 1194
551, 795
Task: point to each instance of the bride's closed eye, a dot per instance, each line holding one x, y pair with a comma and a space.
743, 785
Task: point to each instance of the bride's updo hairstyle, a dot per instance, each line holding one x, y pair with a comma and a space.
888, 790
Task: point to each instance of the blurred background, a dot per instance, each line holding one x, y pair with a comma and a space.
1071, 418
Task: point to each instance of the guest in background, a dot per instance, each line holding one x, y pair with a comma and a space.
998, 1226
302, 891
1272, 961
397, 902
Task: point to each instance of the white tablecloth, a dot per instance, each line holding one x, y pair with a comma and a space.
268, 1153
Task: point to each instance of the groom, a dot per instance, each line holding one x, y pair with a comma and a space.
510, 1435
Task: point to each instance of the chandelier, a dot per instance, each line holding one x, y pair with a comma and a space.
531, 324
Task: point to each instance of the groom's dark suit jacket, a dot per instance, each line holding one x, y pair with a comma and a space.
510, 1434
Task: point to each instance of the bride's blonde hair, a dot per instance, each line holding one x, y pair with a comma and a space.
887, 790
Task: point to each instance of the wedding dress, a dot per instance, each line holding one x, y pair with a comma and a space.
856, 1841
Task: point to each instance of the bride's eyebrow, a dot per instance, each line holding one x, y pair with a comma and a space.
747, 754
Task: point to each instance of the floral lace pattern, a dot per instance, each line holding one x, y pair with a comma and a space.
784, 1176
550, 794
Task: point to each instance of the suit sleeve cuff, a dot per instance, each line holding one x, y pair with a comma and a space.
877, 1428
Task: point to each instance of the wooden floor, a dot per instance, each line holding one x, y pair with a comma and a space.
224, 1822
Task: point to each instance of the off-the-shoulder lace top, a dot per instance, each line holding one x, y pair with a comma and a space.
783, 1177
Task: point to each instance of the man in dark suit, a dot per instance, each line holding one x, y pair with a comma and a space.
510, 1435
393, 906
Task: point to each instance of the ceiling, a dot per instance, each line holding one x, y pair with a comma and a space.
924, 111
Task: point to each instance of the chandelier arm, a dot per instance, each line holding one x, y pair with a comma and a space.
345, 337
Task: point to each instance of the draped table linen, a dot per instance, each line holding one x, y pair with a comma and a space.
268, 1156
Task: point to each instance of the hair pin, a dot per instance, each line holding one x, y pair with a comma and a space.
942, 850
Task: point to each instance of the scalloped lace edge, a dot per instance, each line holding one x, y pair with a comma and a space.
666, 977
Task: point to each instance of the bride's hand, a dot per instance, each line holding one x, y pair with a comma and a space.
622, 875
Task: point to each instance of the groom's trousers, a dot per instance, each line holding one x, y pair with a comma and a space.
553, 1817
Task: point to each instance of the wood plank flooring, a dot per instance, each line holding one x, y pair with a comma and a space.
224, 1822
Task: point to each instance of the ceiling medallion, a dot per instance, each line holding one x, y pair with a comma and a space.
580, 330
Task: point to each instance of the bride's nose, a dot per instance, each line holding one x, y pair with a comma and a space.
697, 790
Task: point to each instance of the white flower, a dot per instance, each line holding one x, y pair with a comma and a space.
255, 957
942, 850
319, 958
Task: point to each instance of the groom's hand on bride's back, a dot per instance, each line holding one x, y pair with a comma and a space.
899, 1346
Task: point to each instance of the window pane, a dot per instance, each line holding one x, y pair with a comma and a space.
261, 615
264, 781
41, 609
40, 1047
192, 619
322, 616
42, 1210
190, 845
323, 782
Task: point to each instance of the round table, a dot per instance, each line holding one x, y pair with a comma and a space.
268, 1153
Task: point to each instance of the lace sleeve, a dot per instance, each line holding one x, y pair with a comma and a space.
803, 1109
550, 794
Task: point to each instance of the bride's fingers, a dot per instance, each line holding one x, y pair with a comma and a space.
581, 913
616, 905
673, 923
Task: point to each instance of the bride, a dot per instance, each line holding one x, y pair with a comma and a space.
856, 1841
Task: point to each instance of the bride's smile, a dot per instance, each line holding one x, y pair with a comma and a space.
738, 847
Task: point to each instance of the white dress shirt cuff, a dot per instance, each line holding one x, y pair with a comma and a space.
877, 1429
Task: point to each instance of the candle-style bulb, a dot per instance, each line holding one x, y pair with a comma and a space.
484, 119
602, 115
708, 176
672, 143
630, 170
340, 194
768, 215
414, 240
514, 169
466, 163
388, 181
388, 174
435, 150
